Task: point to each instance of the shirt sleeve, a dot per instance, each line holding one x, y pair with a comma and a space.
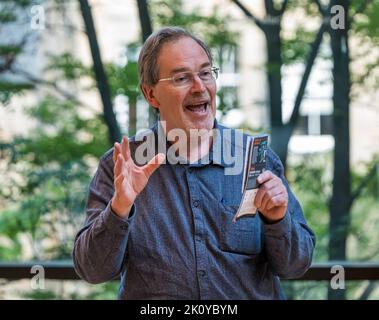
289, 243
100, 246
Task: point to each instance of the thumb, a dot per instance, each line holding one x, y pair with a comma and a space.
154, 164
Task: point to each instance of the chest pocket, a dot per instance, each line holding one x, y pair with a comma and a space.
241, 237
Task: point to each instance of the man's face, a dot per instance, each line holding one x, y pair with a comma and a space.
189, 107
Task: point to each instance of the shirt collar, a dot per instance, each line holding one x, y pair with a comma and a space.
223, 148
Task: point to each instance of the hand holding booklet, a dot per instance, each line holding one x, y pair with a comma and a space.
255, 164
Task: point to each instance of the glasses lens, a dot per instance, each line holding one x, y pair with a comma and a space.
186, 78
182, 79
206, 74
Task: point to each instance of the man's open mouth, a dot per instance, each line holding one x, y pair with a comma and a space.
197, 108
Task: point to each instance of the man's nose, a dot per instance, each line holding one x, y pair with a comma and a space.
197, 84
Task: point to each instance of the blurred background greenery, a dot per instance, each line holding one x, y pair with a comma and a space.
71, 106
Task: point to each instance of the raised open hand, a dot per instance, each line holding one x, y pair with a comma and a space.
129, 179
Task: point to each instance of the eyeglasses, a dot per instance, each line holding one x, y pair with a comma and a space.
184, 79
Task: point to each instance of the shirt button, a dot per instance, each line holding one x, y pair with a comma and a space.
202, 273
196, 203
124, 227
190, 171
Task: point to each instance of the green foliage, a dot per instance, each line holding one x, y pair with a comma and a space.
105, 291
310, 7
66, 66
10, 14
366, 23
41, 295
7, 16
297, 47
311, 183
124, 79
365, 30
10, 50
213, 28
9, 89
51, 163
73, 291
63, 135
305, 290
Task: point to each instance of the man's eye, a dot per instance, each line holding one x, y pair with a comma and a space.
205, 74
182, 78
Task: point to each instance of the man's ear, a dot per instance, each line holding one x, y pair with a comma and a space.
148, 92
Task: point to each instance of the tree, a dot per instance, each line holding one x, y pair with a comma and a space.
124, 80
271, 27
11, 48
146, 30
342, 197
101, 77
48, 173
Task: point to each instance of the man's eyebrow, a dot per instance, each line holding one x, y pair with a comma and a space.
184, 69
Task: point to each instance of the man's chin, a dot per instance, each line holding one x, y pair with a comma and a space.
208, 125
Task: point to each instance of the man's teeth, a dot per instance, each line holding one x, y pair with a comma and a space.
198, 107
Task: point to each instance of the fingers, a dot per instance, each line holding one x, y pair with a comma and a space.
264, 195
118, 183
267, 181
271, 193
122, 149
125, 148
116, 151
279, 200
118, 166
272, 198
266, 176
153, 164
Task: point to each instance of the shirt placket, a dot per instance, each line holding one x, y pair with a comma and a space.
199, 233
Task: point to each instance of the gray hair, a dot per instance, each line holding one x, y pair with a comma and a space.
148, 69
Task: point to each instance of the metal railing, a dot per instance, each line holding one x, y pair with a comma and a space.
64, 270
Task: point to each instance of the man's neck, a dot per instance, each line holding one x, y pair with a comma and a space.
198, 146
191, 145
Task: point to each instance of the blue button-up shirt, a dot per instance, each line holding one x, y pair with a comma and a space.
179, 241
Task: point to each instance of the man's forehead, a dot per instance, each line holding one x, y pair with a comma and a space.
184, 68
181, 55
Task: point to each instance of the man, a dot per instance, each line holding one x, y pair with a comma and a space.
167, 228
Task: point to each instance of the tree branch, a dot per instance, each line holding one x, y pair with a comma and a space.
144, 17
65, 94
147, 30
270, 9
321, 7
362, 7
256, 20
10, 58
369, 289
283, 8
51, 26
100, 74
7, 65
358, 191
304, 80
